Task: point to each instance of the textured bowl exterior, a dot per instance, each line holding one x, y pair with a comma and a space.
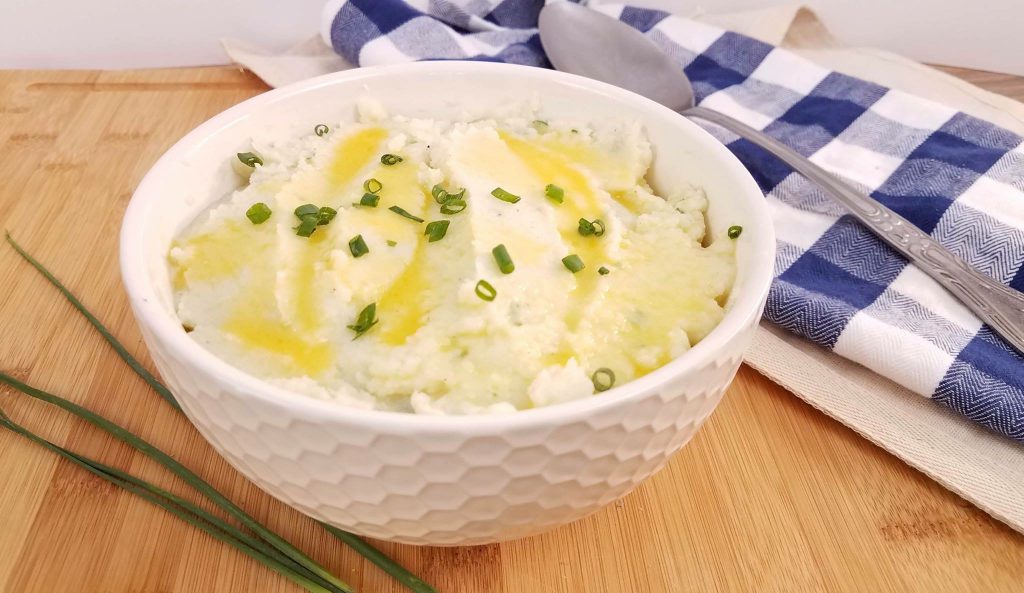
435, 479
451, 489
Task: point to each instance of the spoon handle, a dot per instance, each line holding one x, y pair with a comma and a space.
1002, 308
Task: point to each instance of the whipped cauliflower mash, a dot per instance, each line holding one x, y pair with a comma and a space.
451, 267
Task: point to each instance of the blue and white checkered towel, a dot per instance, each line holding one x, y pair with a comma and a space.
959, 178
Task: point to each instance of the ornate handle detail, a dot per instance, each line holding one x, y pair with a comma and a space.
1002, 308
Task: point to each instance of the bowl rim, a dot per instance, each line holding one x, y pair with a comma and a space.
166, 328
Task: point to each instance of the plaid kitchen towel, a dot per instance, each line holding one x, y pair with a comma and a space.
959, 178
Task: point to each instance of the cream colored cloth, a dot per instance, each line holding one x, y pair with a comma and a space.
982, 467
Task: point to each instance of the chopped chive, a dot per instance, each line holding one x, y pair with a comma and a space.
321, 129
554, 192
485, 290
603, 379
392, 243
403, 212
367, 319
504, 259
540, 125
357, 246
436, 230
734, 231
505, 196
390, 159
369, 199
573, 263
595, 228
250, 159
603, 271
258, 213
372, 185
325, 215
442, 196
306, 210
453, 206
574, 131
307, 226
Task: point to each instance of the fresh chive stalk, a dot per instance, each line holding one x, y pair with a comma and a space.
182, 472
185, 510
381, 560
119, 348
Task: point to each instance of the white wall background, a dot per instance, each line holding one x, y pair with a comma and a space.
985, 34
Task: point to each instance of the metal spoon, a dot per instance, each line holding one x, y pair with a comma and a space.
586, 42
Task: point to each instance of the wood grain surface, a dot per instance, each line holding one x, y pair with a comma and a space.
770, 496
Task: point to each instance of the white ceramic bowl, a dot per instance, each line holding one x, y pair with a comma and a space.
430, 479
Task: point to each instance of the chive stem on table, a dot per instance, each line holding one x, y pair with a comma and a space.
378, 558
121, 351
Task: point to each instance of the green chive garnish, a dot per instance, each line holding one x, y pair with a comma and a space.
442, 196
504, 196
573, 263
486, 291
504, 259
390, 159
372, 185
595, 228
392, 243
369, 199
250, 159
554, 192
258, 213
325, 215
321, 129
734, 231
306, 210
357, 246
403, 212
307, 226
603, 379
540, 125
367, 319
453, 206
603, 271
436, 230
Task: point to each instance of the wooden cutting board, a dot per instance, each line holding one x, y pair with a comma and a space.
770, 495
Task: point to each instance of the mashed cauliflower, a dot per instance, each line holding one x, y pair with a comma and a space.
379, 310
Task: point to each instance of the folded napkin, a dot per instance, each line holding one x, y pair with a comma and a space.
957, 177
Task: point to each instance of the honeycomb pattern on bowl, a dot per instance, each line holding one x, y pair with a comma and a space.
427, 487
